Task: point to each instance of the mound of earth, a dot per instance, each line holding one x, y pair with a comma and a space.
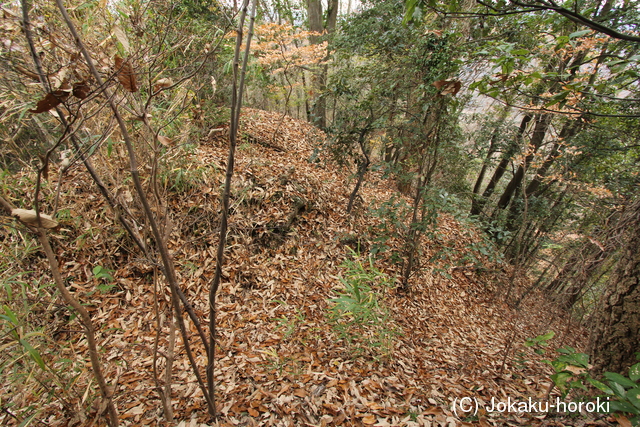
283, 358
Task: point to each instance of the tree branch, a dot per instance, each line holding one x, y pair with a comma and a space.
167, 260
539, 6
236, 104
579, 19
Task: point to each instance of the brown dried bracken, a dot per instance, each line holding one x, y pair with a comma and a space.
163, 83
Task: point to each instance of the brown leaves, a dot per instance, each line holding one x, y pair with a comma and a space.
448, 87
280, 47
125, 74
81, 90
282, 363
51, 100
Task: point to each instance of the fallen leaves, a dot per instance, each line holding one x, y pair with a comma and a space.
280, 363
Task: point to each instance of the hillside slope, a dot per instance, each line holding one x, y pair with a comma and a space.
281, 362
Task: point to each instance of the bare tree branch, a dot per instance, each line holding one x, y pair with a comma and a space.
236, 104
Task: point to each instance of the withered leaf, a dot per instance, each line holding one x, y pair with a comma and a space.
164, 140
369, 419
65, 86
122, 38
51, 100
163, 83
30, 217
126, 76
81, 90
447, 87
439, 84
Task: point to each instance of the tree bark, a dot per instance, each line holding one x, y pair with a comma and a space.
365, 161
314, 12
332, 15
539, 132
616, 326
477, 207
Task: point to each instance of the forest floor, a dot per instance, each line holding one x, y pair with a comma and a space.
281, 360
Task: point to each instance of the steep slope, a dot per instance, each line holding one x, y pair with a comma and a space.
281, 362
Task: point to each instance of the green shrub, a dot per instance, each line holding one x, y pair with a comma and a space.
572, 375
357, 314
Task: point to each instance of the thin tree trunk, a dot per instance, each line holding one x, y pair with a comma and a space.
236, 104
569, 129
492, 149
106, 391
332, 15
314, 14
412, 238
539, 132
428, 165
362, 169
477, 207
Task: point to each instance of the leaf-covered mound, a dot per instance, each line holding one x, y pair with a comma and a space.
283, 358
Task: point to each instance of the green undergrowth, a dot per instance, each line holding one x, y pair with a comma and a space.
358, 314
